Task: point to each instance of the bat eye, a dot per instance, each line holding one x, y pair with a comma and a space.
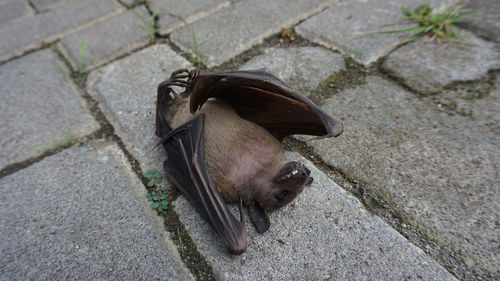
281, 196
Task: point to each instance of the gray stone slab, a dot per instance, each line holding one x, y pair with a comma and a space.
40, 107
107, 39
174, 14
51, 25
343, 27
438, 171
487, 21
242, 25
483, 108
44, 5
82, 214
14, 10
301, 67
427, 66
325, 234
126, 90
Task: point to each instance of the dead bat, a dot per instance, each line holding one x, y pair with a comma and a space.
229, 150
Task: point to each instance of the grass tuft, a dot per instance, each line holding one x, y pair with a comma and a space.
149, 24
195, 57
439, 24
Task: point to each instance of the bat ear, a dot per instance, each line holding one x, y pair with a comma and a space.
259, 217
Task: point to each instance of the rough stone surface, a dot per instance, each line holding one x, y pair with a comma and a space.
107, 39
487, 21
243, 24
72, 226
346, 27
302, 68
14, 10
50, 25
427, 66
440, 172
174, 14
480, 105
324, 234
126, 90
43, 5
129, 3
39, 108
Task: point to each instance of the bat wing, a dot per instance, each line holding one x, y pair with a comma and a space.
262, 98
187, 169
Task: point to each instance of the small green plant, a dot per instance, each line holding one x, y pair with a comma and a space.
69, 139
148, 25
179, 235
438, 24
195, 57
81, 66
353, 52
158, 195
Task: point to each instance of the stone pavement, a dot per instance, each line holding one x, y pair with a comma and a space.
410, 191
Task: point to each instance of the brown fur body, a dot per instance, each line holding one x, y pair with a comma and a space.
243, 158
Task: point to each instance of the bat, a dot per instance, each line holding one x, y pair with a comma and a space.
223, 135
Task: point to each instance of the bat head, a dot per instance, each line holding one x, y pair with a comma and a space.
284, 186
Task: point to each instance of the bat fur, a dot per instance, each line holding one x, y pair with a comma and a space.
244, 159
222, 137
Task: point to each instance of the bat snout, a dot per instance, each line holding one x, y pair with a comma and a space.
294, 171
304, 173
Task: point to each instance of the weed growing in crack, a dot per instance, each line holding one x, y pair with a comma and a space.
81, 67
158, 195
148, 25
195, 57
69, 140
353, 52
439, 24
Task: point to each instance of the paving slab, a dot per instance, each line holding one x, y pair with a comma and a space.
126, 90
324, 234
14, 10
40, 107
438, 171
427, 66
44, 5
482, 107
88, 220
487, 21
345, 27
301, 67
51, 25
242, 25
107, 39
173, 14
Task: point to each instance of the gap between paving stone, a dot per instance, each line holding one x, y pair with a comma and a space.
351, 25
126, 91
42, 108
371, 202
67, 240
361, 136
106, 40
46, 27
224, 26
323, 234
173, 14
